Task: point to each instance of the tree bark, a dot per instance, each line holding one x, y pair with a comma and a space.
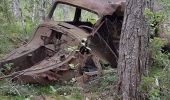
33, 3
16, 9
133, 49
42, 10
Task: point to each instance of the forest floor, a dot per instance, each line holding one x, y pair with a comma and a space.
101, 88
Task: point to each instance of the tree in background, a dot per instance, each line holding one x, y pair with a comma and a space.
42, 10
16, 9
33, 5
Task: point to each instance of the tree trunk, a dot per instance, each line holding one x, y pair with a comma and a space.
65, 13
33, 10
16, 9
23, 22
19, 14
42, 10
133, 50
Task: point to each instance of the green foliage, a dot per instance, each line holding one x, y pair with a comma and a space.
164, 5
8, 66
146, 81
12, 91
155, 19
154, 16
8, 88
154, 94
13, 37
107, 81
12, 34
157, 82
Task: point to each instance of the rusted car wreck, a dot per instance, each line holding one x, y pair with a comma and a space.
62, 50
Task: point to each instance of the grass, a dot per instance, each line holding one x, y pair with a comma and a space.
28, 92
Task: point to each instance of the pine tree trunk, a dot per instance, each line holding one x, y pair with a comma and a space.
133, 50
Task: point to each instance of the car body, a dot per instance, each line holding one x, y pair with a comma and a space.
59, 45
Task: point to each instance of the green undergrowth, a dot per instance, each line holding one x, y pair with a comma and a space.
12, 36
12, 33
101, 87
157, 84
12, 91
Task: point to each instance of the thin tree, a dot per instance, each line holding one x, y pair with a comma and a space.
133, 50
42, 10
16, 9
33, 4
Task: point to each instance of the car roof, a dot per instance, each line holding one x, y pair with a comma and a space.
100, 7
